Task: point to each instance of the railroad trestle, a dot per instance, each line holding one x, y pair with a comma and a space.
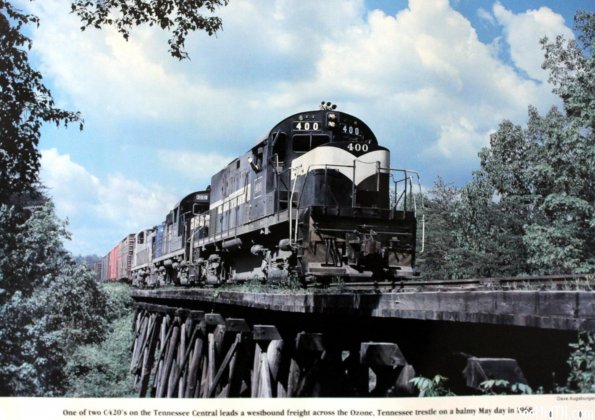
195, 343
193, 354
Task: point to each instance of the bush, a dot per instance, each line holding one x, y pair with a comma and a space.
102, 370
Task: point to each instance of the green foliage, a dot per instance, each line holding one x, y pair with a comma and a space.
119, 302
25, 104
581, 361
543, 177
503, 387
31, 250
571, 67
88, 260
469, 234
431, 387
530, 209
102, 370
67, 313
437, 260
48, 305
178, 16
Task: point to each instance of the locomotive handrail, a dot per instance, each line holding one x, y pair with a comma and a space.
291, 206
423, 216
308, 172
409, 176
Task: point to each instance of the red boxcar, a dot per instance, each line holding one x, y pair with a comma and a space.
117, 263
113, 264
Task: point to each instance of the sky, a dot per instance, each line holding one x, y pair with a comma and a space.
432, 79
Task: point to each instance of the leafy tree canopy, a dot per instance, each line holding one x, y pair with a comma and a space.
177, 16
31, 249
103, 369
531, 206
25, 104
544, 173
48, 305
571, 66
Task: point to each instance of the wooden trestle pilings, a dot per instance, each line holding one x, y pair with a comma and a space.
192, 343
192, 354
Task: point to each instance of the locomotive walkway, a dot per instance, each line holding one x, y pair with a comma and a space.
561, 310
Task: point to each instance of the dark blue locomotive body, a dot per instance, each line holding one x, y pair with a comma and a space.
314, 200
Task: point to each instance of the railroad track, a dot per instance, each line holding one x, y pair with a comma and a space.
551, 282
584, 282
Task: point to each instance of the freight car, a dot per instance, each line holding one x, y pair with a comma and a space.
116, 265
314, 200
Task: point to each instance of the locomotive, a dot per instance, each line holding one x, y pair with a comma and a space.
315, 200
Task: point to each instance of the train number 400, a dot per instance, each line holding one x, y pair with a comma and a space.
358, 147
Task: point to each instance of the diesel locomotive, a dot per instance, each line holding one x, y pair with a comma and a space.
315, 200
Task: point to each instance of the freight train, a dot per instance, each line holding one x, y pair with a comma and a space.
315, 200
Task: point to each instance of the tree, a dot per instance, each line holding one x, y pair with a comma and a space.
25, 104
565, 175
436, 262
489, 244
103, 369
470, 233
48, 305
31, 250
581, 378
178, 16
68, 313
542, 176
561, 236
571, 67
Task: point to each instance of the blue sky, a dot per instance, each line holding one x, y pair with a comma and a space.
432, 78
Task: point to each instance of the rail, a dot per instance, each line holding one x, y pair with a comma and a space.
546, 282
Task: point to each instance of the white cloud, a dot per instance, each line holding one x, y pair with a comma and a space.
259, 47
523, 32
194, 166
459, 139
426, 63
69, 183
486, 16
101, 212
426, 67
104, 75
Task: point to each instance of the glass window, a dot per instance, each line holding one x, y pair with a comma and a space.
319, 140
301, 143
